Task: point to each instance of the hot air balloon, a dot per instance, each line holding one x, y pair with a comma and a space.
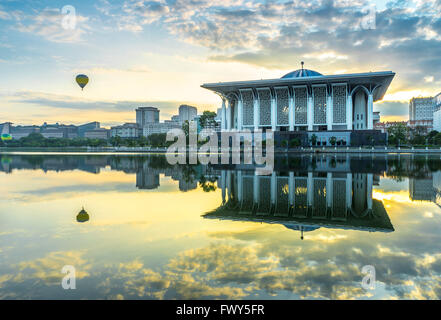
83, 216
82, 80
6, 137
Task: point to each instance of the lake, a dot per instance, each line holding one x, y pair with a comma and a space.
150, 230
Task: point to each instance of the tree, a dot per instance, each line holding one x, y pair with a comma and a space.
157, 139
313, 139
431, 136
332, 141
437, 139
207, 119
116, 141
398, 134
295, 142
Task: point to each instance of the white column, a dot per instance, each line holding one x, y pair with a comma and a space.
291, 114
291, 186
349, 113
256, 188
239, 114
329, 112
310, 113
223, 183
370, 112
273, 114
370, 182
229, 116
223, 116
256, 106
239, 186
348, 190
329, 190
273, 188
310, 190
229, 191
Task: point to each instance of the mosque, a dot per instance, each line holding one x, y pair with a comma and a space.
304, 103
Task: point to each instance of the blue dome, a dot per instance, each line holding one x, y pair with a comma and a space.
300, 227
301, 73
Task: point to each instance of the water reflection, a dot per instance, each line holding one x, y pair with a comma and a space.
303, 201
170, 232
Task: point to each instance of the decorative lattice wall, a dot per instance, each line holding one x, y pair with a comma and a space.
301, 105
339, 199
300, 198
282, 202
319, 203
248, 193
248, 108
320, 105
264, 195
265, 107
339, 103
282, 106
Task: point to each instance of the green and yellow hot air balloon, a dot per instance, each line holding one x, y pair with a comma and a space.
6, 137
82, 80
82, 216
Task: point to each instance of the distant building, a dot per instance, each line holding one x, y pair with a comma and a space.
86, 127
164, 127
437, 113
53, 133
376, 118
5, 127
421, 113
99, 133
19, 132
187, 113
147, 178
384, 126
146, 115
127, 130
175, 118
421, 189
59, 131
437, 101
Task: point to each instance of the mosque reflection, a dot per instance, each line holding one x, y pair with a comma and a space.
305, 192
303, 201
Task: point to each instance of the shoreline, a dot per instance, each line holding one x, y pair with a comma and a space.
144, 150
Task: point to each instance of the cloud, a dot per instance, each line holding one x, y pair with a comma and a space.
392, 108
48, 23
328, 34
64, 102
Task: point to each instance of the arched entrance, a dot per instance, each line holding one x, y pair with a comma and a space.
360, 108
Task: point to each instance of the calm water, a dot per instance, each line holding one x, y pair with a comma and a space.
157, 231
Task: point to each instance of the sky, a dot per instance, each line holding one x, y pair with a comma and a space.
158, 53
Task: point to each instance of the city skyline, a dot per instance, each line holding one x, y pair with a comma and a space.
158, 53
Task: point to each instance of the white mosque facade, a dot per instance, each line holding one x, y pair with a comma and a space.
304, 101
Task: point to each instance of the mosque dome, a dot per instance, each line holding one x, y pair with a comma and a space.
301, 73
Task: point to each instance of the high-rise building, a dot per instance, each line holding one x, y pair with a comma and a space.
437, 112
437, 101
145, 115
187, 113
421, 111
